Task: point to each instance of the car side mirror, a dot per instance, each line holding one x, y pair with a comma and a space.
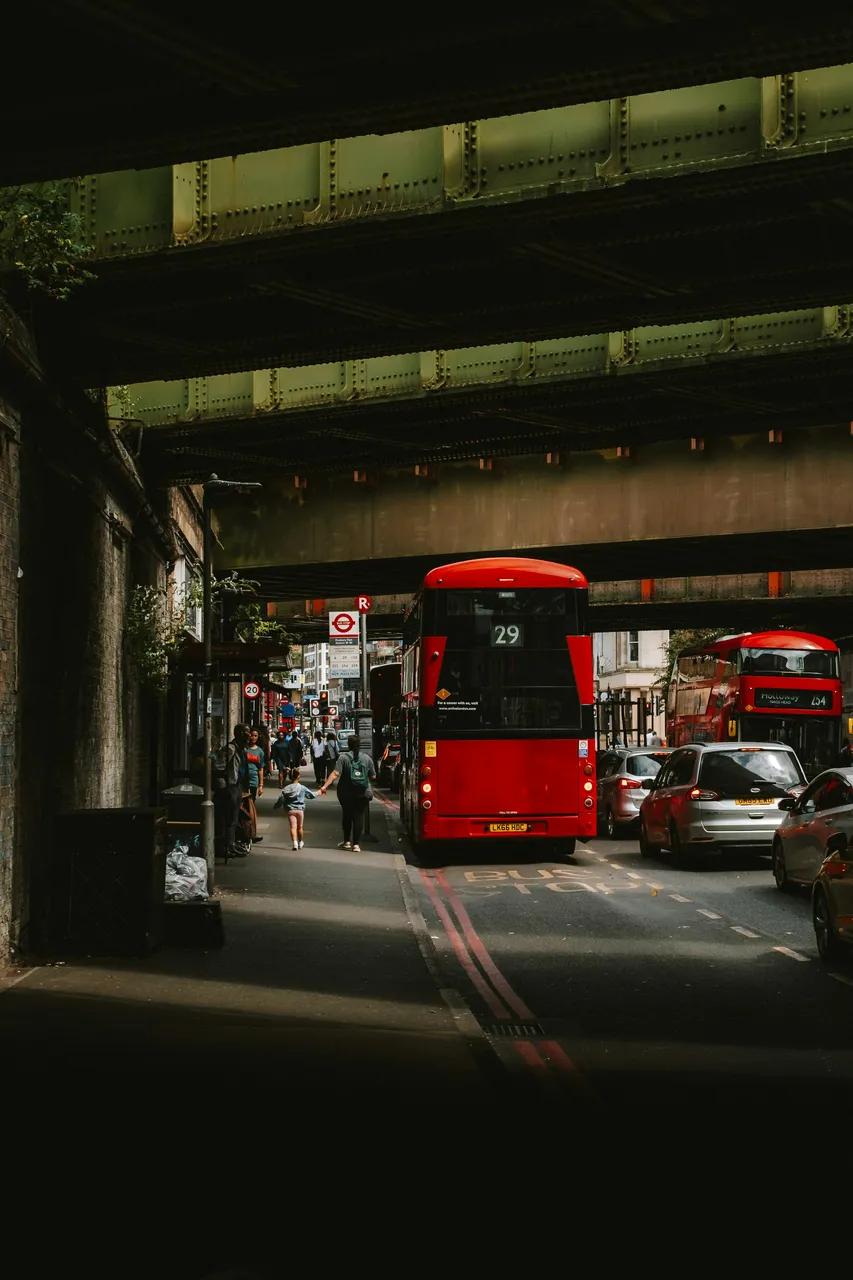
787, 802
648, 784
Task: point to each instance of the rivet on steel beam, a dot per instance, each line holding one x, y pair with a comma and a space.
697, 444
774, 435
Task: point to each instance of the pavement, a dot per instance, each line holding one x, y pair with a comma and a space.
321, 985
596, 981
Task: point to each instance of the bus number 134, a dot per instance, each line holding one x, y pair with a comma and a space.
512, 635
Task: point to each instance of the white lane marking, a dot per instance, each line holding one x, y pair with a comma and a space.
712, 915
676, 897
793, 955
617, 865
840, 977
747, 933
603, 888
651, 885
599, 859
522, 888
633, 875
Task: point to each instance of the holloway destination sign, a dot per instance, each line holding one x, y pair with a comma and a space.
794, 699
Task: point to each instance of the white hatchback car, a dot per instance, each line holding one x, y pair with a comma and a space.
824, 809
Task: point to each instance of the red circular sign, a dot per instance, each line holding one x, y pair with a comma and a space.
343, 623
250, 689
363, 603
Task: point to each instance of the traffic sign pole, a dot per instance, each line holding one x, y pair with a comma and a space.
365, 690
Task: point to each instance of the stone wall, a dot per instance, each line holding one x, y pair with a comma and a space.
9, 532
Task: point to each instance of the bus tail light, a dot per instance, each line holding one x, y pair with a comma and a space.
426, 787
629, 782
587, 786
426, 804
426, 771
588, 770
588, 802
699, 793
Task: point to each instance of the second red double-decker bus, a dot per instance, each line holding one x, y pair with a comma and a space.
763, 686
497, 733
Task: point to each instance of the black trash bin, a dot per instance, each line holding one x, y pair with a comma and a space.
107, 885
183, 806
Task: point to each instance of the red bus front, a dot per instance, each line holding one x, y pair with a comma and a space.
769, 686
497, 719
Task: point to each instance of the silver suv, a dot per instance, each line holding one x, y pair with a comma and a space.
624, 775
718, 794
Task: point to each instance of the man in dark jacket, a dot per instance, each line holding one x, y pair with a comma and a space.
232, 779
295, 746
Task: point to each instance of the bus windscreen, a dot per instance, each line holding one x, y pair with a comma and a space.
789, 662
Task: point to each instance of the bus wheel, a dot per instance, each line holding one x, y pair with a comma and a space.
565, 848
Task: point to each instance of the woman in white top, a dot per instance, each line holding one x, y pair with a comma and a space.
318, 751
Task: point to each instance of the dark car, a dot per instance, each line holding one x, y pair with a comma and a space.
622, 771
385, 768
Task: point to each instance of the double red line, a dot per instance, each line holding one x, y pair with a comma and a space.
546, 1058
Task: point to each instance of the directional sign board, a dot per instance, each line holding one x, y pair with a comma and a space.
343, 625
344, 661
251, 689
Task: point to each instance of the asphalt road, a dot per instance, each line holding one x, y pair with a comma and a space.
607, 978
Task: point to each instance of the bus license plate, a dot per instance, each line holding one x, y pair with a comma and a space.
752, 802
509, 826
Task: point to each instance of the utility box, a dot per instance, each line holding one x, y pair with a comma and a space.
107, 884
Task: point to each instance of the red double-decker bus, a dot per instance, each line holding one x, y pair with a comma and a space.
763, 686
497, 732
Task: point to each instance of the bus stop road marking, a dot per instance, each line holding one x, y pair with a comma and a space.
712, 915
747, 933
676, 897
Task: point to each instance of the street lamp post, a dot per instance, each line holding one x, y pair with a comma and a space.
212, 486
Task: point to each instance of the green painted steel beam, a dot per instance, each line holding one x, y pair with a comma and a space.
441, 373
540, 154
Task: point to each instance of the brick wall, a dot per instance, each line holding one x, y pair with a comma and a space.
9, 506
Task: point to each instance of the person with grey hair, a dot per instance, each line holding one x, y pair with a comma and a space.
355, 772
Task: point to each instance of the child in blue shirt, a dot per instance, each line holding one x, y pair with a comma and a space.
292, 800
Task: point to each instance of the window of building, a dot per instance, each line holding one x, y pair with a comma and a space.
633, 647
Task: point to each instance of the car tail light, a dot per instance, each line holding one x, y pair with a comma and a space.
699, 793
629, 782
835, 866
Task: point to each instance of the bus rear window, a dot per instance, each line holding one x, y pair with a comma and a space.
493, 689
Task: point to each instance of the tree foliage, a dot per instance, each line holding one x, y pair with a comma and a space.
42, 239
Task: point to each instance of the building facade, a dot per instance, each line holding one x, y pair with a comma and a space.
628, 666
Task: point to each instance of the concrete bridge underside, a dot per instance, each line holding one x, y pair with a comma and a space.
744, 503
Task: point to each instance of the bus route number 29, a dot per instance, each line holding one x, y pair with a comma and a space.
507, 636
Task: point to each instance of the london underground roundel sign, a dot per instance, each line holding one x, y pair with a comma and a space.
251, 689
342, 625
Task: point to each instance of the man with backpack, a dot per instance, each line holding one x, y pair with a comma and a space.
355, 772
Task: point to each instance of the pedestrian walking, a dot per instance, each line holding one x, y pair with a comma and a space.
355, 772
232, 781
280, 754
654, 740
292, 800
318, 751
256, 760
331, 753
265, 745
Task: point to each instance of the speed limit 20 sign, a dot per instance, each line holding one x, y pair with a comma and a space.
251, 689
343, 625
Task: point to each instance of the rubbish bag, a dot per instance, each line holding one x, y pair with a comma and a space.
186, 876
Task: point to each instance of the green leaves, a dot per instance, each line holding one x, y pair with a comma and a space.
42, 239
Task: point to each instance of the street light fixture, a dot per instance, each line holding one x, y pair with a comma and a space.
211, 487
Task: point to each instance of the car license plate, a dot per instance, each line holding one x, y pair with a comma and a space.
751, 802
509, 826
